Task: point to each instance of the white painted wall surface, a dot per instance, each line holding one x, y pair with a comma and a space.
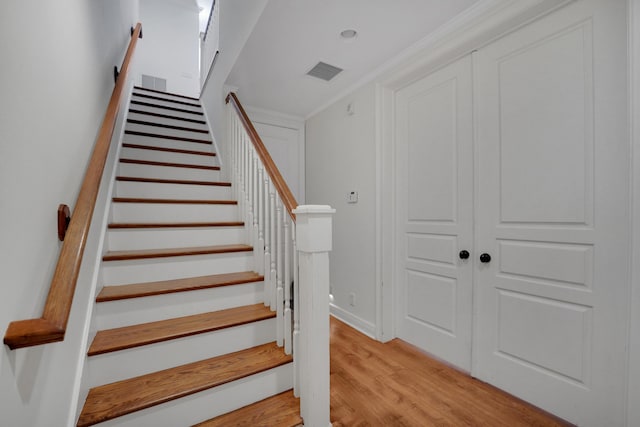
171, 44
633, 409
55, 81
237, 19
340, 157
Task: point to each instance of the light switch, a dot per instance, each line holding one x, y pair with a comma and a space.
352, 197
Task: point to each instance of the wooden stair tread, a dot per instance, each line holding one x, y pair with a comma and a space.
159, 98
165, 126
164, 107
172, 181
165, 93
172, 137
174, 201
130, 225
169, 164
168, 150
116, 339
136, 290
124, 397
171, 252
281, 410
167, 116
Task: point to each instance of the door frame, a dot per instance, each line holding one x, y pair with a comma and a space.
473, 29
633, 395
272, 118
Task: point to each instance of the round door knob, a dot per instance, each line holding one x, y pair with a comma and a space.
485, 258
464, 254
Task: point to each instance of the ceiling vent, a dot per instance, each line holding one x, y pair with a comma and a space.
324, 71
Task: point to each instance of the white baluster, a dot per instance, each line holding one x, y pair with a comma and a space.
274, 252
239, 173
296, 315
267, 243
241, 183
260, 250
248, 198
238, 150
279, 275
235, 149
287, 284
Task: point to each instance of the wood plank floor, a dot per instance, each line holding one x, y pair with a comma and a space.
395, 384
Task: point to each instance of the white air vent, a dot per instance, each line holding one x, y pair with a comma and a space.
324, 71
155, 83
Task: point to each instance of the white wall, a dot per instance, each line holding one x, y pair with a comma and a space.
237, 19
341, 157
633, 409
171, 49
55, 80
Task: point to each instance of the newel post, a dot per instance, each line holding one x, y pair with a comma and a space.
313, 239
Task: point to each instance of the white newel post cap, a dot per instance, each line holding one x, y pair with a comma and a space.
313, 227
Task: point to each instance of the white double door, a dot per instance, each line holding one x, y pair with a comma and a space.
517, 155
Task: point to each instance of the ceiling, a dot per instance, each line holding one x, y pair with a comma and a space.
291, 36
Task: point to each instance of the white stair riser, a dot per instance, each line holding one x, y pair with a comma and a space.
167, 143
165, 111
155, 269
167, 121
210, 403
136, 97
137, 127
155, 238
164, 156
172, 191
116, 314
133, 362
173, 212
164, 95
167, 172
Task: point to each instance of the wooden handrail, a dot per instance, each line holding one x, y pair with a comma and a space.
51, 327
286, 195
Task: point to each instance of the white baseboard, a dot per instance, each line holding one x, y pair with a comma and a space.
364, 326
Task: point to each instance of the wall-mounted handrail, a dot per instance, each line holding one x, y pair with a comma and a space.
51, 327
283, 189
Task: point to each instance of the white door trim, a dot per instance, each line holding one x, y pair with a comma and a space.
633, 410
489, 20
268, 117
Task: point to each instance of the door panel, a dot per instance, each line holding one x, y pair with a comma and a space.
282, 144
434, 212
552, 186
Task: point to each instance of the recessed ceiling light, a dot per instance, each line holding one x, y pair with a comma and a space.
348, 34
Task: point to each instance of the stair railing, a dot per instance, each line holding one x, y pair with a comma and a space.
291, 247
51, 327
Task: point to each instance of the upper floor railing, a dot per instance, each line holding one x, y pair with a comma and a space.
291, 246
51, 327
209, 43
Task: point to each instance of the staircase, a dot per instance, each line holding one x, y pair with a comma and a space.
182, 334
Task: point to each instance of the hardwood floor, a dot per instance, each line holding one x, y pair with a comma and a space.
395, 384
